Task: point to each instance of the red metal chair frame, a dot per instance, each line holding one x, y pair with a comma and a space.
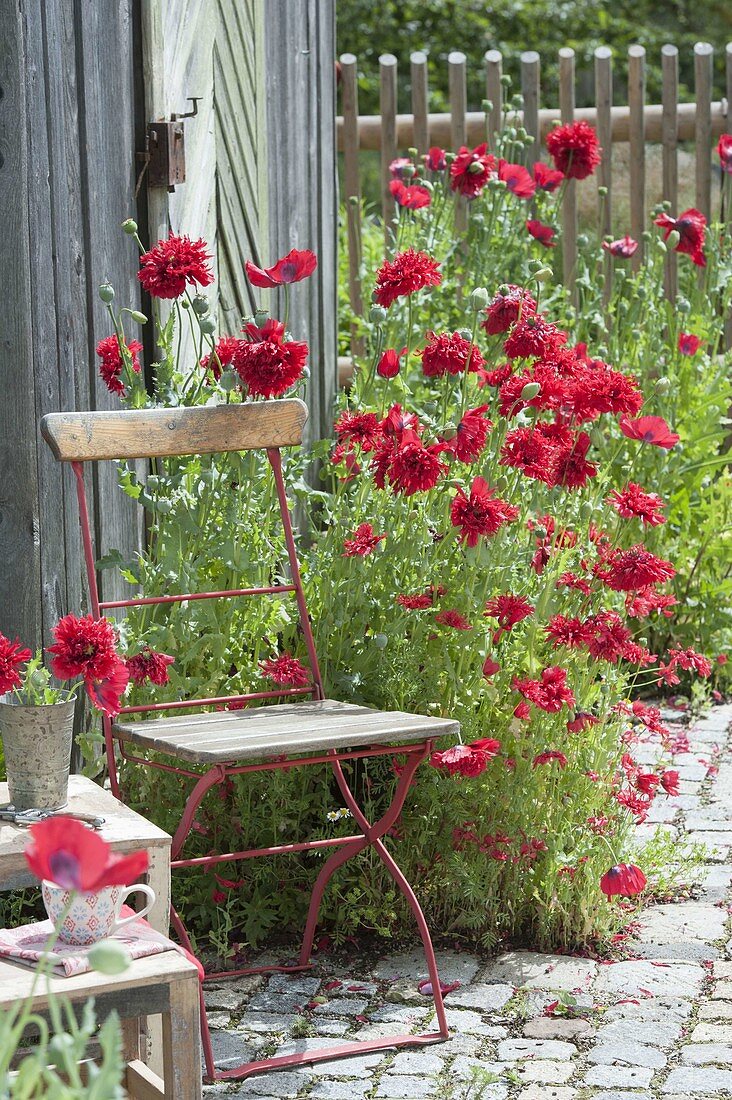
371, 834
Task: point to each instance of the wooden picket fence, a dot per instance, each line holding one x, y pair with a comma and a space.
636, 123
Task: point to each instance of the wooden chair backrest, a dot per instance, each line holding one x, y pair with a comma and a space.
160, 433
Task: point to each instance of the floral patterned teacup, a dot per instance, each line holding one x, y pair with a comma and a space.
91, 916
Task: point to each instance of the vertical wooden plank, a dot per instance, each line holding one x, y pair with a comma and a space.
388, 108
669, 144
494, 92
299, 48
530, 90
420, 101
569, 203
637, 137
156, 104
703, 62
603, 103
20, 576
351, 181
458, 128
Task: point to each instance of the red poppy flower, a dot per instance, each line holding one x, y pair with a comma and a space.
691, 227
508, 610
84, 647
522, 711
570, 466
480, 513
267, 364
517, 179
533, 337
574, 149
625, 879
689, 344
640, 604
509, 305
389, 365
171, 265
571, 580
414, 468
495, 377
363, 542
670, 782
411, 197
608, 637
570, 632
397, 166
293, 267
112, 363
221, 356
12, 656
436, 159
546, 178
285, 670
530, 452
596, 388
453, 619
471, 434
471, 170
624, 247
550, 693
398, 421
649, 429
690, 661
466, 760
724, 148
149, 665
66, 852
582, 720
634, 501
544, 234
358, 429
449, 353
490, 668
407, 273
550, 757
418, 602
632, 569
107, 691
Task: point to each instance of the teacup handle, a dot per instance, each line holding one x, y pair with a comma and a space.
141, 888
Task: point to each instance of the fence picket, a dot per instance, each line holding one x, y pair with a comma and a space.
703, 61
494, 91
604, 101
456, 63
637, 138
420, 101
669, 139
352, 183
531, 91
388, 107
569, 202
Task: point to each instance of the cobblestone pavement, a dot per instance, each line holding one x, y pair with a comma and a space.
658, 1026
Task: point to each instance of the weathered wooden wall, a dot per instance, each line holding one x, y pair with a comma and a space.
67, 144
301, 183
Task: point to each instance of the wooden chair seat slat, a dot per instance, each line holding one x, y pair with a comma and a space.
289, 728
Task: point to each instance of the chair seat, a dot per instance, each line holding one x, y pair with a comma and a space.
288, 728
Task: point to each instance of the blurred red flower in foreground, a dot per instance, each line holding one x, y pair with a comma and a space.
171, 265
574, 149
625, 879
544, 234
689, 344
293, 267
64, 851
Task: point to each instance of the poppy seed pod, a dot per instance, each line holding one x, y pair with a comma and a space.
377, 315
106, 292
200, 305
129, 226
207, 325
261, 316
228, 380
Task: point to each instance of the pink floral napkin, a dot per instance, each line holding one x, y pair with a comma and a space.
26, 945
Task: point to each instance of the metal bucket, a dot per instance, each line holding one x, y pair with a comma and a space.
37, 749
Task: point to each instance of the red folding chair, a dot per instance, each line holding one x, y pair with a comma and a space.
215, 745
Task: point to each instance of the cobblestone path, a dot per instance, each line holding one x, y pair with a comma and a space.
659, 1026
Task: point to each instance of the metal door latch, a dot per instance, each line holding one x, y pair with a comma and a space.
166, 154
